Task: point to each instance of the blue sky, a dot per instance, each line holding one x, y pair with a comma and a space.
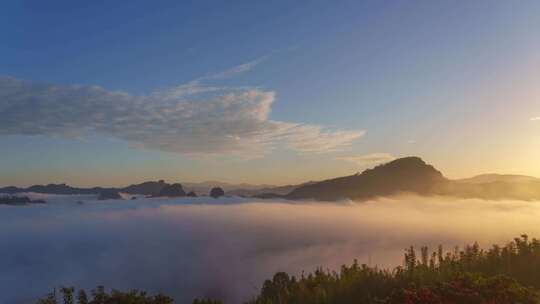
334, 87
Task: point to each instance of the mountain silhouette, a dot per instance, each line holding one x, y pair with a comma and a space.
54, 189
493, 187
405, 175
146, 188
265, 192
18, 201
174, 190
413, 175
110, 194
492, 178
203, 188
216, 192
409, 174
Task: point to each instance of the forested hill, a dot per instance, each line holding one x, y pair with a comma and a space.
409, 174
413, 175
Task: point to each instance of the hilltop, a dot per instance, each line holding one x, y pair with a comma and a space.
410, 174
413, 175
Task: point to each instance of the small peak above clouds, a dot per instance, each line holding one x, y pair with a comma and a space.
414, 175
408, 174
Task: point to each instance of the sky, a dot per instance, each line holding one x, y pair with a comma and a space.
116, 92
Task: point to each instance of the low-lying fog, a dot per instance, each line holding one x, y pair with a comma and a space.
225, 248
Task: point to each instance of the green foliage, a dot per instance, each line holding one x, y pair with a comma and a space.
467, 289
82, 298
67, 294
472, 275
101, 296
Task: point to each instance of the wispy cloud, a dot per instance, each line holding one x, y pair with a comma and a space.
199, 86
241, 68
535, 118
368, 159
192, 118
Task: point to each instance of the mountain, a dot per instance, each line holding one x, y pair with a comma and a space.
146, 188
216, 192
413, 175
409, 174
18, 201
10, 190
109, 195
203, 188
516, 188
275, 191
54, 189
174, 190
493, 178
404, 175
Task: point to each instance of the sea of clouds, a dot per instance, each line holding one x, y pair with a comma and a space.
225, 248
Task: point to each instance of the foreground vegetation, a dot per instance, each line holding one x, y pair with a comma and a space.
101, 296
499, 275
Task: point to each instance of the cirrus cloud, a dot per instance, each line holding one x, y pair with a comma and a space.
368, 159
191, 119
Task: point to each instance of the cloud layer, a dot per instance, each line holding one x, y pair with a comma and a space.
226, 248
368, 159
194, 118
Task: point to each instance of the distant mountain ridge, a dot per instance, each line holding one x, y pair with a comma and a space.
266, 191
55, 189
413, 175
490, 178
229, 188
404, 175
150, 188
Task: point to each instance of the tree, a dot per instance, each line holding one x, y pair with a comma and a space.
101, 296
81, 297
67, 293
